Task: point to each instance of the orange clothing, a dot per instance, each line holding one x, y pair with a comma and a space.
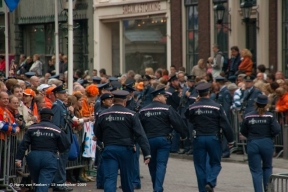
87, 109
48, 102
282, 103
35, 111
246, 65
6, 116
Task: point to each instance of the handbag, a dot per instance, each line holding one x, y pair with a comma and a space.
74, 149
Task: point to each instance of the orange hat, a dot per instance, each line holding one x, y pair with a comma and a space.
140, 86
49, 90
29, 92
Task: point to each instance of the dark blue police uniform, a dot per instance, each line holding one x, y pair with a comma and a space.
209, 120
46, 139
157, 119
118, 128
132, 105
145, 96
260, 130
100, 170
224, 98
60, 117
103, 88
250, 94
173, 99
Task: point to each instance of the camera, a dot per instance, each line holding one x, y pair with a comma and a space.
19, 117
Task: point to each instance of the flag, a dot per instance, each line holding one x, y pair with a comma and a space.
12, 4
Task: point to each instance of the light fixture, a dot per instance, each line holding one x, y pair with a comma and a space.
220, 11
246, 8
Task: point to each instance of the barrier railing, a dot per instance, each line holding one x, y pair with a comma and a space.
278, 182
280, 141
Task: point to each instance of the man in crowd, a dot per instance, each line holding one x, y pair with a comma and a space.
234, 61
35, 82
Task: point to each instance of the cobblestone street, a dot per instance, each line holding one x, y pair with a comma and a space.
181, 177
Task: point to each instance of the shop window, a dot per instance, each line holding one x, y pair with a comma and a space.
254, 2
285, 36
191, 35
145, 44
37, 39
221, 32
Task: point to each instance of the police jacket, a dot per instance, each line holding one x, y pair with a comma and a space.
121, 126
208, 118
97, 106
255, 126
61, 115
159, 119
234, 64
186, 101
224, 98
248, 99
146, 96
43, 136
102, 108
173, 98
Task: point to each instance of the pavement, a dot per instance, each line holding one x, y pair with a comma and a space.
181, 177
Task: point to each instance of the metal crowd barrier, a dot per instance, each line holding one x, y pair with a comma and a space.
280, 141
278, 183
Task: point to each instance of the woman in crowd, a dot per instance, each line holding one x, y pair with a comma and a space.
40, 102
259, 127
199, 70
246, 64
37, 65
282, 103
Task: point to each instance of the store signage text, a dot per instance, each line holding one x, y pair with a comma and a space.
141, 8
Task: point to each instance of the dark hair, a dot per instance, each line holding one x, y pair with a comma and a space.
261, 68
173, 66
216, 46
165, 72
203, 94
94, 69
210, 76
159, 71
23, 55
103, 71
14, 87
235, 48
45, 116
182, 69
274, 85
2, 57
79, 73
271, 76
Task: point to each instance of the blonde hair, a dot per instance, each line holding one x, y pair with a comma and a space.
259, 85
149, 71
246, 53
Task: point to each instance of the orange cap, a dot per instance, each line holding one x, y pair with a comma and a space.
29, 92
140, 86
49, 90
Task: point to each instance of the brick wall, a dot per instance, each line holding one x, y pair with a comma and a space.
176, 33
273, 34
204, 29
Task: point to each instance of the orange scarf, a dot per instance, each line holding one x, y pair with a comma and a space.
6, 116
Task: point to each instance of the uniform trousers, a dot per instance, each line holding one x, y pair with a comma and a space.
260, 150
175, 146
159, 147
60, 176
42, 166
100, 171
118, 157
136, 171
207, 147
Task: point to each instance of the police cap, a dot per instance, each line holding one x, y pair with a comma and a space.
203, 87
173, 78
121, 94
106, 96
30, 74
96, 80
82, 81
191, 78
54, 77
104, 86
46, 111
113, 79
262, 99
128, 88
59, 89
159, 92
115, 84
146, 78
249, 78
219, 79
130, 82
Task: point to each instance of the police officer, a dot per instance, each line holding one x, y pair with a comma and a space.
45, 139
106, 102
188, 97
250, 94
132, 105
173, 99
61, 118
96, 80
157, 119
209, 122
145, 96
118, 127
224, 98
260, 126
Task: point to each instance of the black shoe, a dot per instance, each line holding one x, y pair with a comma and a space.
182, 152
141, 177
99, 187
225, 156
80, 179
73, 179
173, 151
137, 187
209, 188
190, 152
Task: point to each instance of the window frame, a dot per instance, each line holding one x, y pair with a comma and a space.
254, 2
285, 36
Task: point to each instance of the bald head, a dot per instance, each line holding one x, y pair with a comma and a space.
79, 88
34, 81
